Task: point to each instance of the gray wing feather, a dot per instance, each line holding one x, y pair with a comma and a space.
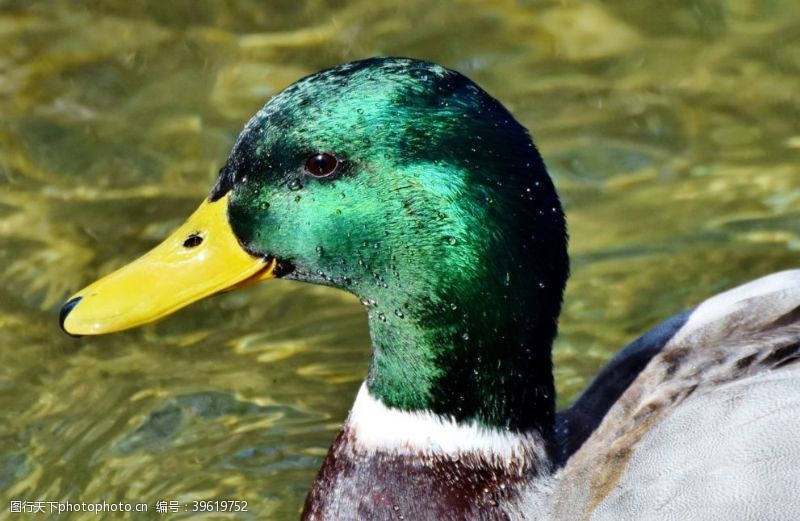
730, 453
709, 429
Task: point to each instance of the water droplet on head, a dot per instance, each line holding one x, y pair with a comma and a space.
450, 240
453, 306
295, 185
381, 316
320, 250
398, 313
465, 336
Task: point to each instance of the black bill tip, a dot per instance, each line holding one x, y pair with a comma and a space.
62, 315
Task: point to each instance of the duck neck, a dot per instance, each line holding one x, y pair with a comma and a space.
475, 351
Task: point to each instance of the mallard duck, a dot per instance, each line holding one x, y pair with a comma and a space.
408, 185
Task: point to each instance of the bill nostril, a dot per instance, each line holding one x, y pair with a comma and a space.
65, 311
193, 241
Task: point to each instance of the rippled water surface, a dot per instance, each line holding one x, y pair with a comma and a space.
672, 130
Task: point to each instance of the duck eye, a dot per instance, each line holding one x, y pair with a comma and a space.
321, 165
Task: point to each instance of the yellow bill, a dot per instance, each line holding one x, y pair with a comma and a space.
200, 258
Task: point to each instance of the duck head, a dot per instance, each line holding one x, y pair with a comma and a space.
406, 184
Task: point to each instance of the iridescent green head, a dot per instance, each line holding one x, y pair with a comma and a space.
432, 206
409, 186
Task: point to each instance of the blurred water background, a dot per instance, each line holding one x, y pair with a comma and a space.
672, 130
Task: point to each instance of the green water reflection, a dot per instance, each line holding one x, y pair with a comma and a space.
672, 130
